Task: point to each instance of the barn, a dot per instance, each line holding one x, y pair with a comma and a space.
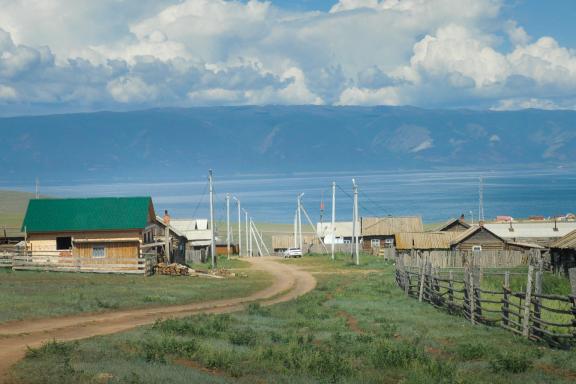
89, 234
379, 232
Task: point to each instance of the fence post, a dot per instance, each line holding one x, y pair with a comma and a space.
537, 301
428, 277
476, 292
421, 281
506, 299
572, 275
450, 289
527, 303
471, 299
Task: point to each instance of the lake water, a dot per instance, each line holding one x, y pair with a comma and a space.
435, 195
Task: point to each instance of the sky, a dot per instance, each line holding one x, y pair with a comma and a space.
83, 55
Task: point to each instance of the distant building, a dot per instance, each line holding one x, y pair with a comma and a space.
92, 235
198, 235
453, 225
540, 232
379, 232
563, 253
341, 235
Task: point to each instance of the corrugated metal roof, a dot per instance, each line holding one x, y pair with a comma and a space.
388, 226
532, 230
566, 242
193, 229
92, 214
425, 240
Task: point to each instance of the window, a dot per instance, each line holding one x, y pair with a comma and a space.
98, 251
63, 243
375, 243
477, 248
346, 241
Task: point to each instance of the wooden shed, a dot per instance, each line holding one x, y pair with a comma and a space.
480, 238
563, 253
427, 241
379, 232
283, 242
88, 235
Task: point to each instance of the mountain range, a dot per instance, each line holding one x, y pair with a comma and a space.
165, 143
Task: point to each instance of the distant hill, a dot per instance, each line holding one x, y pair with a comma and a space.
12, 208
170, 142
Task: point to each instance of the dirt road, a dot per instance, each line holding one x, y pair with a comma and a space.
289, 283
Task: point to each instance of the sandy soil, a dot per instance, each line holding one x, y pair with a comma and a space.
290, 282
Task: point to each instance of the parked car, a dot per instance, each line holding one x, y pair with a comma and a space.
293, 252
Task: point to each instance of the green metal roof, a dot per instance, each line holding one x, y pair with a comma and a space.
93, 214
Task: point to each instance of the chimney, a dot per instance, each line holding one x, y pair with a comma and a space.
166, 218
462, 217
481, 223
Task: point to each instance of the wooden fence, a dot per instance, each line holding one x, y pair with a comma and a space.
6, 258
55, 261
530, 313
460, 259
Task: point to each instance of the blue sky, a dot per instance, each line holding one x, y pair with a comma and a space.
482, 54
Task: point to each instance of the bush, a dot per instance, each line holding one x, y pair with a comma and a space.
510, 362
246, 336
157, 350
202, 325
470, 351
400, 355
257, 310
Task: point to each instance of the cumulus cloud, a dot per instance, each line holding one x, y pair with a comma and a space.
429, 53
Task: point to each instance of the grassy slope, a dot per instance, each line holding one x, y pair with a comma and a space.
355, 327
29, 294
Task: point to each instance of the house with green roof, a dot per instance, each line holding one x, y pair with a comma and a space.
91, 234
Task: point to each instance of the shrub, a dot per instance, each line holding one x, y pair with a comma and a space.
257, 310
433, 371
401, 355
471, 351
510, 362
157, 350
245, 336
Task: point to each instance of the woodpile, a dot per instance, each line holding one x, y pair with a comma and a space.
172, 269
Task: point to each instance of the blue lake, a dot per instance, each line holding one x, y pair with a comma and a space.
435, 195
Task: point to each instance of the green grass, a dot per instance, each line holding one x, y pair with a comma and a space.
30, 294
342, 262
354, 328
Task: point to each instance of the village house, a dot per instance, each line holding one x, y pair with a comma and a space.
198, 235
280, 243
454, 225
563, 253
379, 232
482, 238
425, 241
342, 233
157, 239
92, 234
542, 233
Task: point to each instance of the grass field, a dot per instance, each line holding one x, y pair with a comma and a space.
31, 294
357, 326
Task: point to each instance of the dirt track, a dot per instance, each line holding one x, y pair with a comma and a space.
289, 283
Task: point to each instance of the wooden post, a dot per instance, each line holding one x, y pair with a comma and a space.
572, 275
421, 281
506, 298
537, 303
476, 292
527, 303
450, 289
428, 278
471, 299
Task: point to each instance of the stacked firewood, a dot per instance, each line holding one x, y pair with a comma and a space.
173, 269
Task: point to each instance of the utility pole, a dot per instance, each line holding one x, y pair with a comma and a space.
251, 237
212, 241
228, 224
301, 245
481, 200
333, 217
37, 188
262, 240
296, 229
240, 249
354, 223
255, 233
248, 245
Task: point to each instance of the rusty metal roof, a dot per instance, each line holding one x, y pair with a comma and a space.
566, 242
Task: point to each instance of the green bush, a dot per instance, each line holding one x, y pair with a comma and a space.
157, 350
246, 336
256, 309
387, 354
467, 352
510, 362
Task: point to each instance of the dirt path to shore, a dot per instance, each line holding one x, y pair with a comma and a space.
290, 282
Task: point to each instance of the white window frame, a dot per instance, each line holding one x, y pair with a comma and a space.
94, 247
375, 243
476, 248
